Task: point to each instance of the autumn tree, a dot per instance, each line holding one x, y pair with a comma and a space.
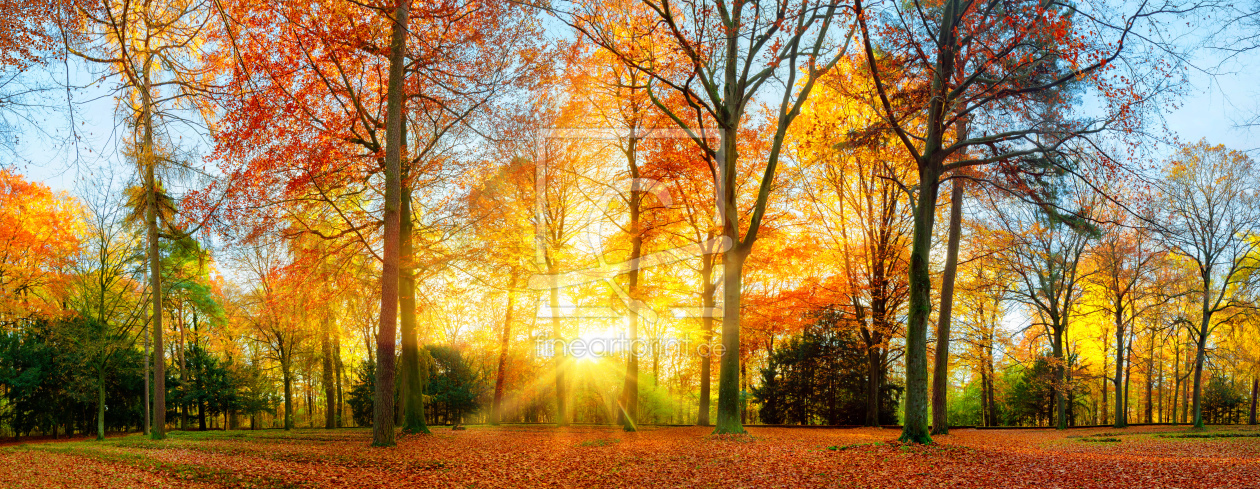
850, 175
1126, 259
1001, 69
1210, 210
1047, 257
107, 297
718, 56
37, 249
330, 77
151, 48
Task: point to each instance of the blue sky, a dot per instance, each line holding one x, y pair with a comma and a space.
1214, 107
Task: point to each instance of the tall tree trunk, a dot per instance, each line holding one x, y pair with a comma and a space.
940, 372
1128, 376
148, 392
707, 292
915, 425
1120, 419
1255, 387
183, 367
286, 371
630, 392
383, 409
1198, 372
158, 429
1150, 378
325, 340
988, 367
874, 368
558, 356
505, 339
1176, 392
100, 403
340, 377
1060, 386
728, 410
412, 394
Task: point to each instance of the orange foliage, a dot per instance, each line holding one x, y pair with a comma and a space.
38, 241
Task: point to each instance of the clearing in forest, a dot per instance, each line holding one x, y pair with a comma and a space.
591, 456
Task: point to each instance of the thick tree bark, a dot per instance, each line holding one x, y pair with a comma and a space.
383, 409
728, 411
505, 339
874, 367
412, 394
940, 372
915, 425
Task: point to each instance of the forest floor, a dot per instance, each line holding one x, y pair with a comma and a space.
590, 456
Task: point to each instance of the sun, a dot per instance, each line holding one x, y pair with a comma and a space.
593, 345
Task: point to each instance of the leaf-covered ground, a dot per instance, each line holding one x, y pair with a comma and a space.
534, 456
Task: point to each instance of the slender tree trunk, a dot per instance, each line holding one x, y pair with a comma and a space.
330, 397
874, 367
1105, 405
707, 291
286, 372
158, 429
1198, 373
1150, 378
558, 356
1120, 419
100, 403
988, 365
1176, 392
383, 410
505, 339
1255, 389
412, 394
1060, 386
340, 377
148, 392
630, 391
1128, 377
183, 368
940, 372
1160, 390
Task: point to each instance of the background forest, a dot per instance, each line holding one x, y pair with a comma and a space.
332, 213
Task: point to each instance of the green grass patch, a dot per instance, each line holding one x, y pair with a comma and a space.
1249, 434
181, 471
602, 442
